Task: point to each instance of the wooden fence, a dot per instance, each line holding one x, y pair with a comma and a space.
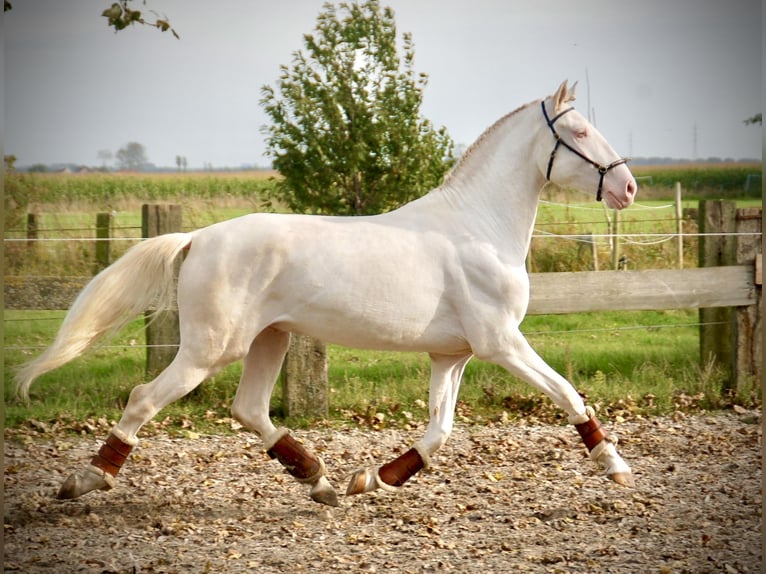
727, 288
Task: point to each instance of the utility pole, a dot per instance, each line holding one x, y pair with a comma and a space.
694, 141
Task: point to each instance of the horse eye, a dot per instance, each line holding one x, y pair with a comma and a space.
581, 134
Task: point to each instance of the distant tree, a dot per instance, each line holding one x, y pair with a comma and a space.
184, 163
178, 162
131, 157
105, 155
347, 134
756, 119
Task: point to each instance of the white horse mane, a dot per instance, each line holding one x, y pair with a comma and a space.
565, 94
481, 139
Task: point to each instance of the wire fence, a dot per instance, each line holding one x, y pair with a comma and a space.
637, 239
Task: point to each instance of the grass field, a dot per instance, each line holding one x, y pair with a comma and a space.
634, 362
626, 363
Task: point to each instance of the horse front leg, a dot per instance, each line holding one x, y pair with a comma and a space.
446, 374
251, 407
526, 364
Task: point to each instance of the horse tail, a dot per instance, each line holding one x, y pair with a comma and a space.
142, 278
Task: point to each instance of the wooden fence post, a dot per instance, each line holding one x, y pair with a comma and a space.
717, 326
748, 337
162, 333
616, 240
679, 226
594, 251
103, 245
304, 378
32, 228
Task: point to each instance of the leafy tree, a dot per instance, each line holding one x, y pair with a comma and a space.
347, 134
756, 119
131, 157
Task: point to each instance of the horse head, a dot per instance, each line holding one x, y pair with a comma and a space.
581, 158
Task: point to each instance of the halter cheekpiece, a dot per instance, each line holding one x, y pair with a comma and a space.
602, 169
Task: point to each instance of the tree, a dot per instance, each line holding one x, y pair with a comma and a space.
105, 155
347, 134
131, 157
756, 119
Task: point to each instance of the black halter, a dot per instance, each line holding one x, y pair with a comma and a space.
602, 169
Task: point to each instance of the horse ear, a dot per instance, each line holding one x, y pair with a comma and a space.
564, 94
571, 97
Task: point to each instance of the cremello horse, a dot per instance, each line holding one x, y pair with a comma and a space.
443, 274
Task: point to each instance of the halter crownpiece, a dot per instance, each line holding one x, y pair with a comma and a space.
602, 169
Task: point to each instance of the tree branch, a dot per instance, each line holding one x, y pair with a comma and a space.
120, 16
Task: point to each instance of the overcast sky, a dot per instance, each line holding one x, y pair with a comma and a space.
667, 77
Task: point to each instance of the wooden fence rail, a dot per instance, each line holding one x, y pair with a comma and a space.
728, 296
551, 293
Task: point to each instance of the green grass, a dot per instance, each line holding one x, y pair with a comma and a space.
620, 367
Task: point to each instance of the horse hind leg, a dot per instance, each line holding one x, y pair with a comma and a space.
446, 374
145, 401
251, 407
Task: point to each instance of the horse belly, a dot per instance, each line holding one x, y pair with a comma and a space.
378, 307
369, 332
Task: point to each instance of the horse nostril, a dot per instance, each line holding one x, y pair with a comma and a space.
631, 188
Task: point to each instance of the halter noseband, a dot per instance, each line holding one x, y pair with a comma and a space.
602, 169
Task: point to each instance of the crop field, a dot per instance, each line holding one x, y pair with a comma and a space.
66, 205
625, 362
711, 180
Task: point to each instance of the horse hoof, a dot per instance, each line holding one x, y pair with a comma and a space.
324, 493
623, 478
361, 481
326, 497
83, 482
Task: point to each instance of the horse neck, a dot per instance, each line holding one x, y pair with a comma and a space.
496, 187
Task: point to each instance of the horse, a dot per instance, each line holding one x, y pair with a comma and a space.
443, 274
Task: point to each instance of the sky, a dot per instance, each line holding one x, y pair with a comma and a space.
666, 78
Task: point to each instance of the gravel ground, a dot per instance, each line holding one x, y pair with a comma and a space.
500, 498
